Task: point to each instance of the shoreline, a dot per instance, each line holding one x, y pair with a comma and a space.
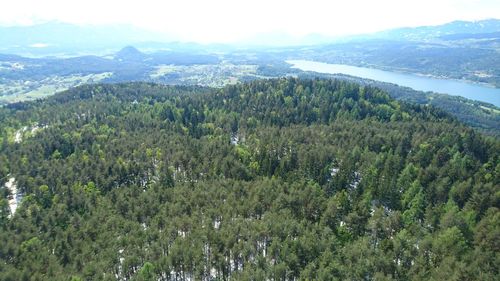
401, 71
420, 82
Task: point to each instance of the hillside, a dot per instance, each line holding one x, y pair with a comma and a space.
451, 29
467, 50
473, 60
280, 179
24, 79
481, 116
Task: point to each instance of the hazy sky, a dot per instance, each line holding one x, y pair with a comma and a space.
232, 20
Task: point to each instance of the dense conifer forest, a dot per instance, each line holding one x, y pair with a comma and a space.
283, 179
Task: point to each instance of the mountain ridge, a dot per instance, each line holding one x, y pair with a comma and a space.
52, 37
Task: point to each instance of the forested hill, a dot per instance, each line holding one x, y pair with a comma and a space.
280, 179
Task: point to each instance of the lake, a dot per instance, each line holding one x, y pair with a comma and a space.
421, 83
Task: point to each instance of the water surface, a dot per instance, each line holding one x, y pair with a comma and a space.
421, 83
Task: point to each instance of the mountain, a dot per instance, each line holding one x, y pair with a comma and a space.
282, 179
69, 39
129, 53
63, 39
465, 36
128, 59
456, 50
424, 33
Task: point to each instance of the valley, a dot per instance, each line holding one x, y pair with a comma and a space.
458, 53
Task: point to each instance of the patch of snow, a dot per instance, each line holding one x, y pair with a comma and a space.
217, 223
18, 137
36, 127
356, 181
181, 233
177, 172
14, 197
334, 171
120, 266
185, 276
234, 139
262, 247
213, 272
19, 134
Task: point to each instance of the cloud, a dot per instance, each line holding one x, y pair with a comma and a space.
39, 45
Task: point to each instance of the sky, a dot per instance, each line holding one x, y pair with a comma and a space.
226, 21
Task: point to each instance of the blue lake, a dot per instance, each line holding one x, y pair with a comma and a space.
420, 83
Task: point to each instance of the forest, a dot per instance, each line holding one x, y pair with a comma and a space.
474, 61
278, 179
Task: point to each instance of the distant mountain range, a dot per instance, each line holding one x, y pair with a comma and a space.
423, 33
473, 29
63, 39
54, 38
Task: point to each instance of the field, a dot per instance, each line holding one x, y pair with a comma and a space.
22, 90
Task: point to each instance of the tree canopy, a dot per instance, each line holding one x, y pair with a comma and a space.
282, 179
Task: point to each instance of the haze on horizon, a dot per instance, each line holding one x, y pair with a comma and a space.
230, 21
